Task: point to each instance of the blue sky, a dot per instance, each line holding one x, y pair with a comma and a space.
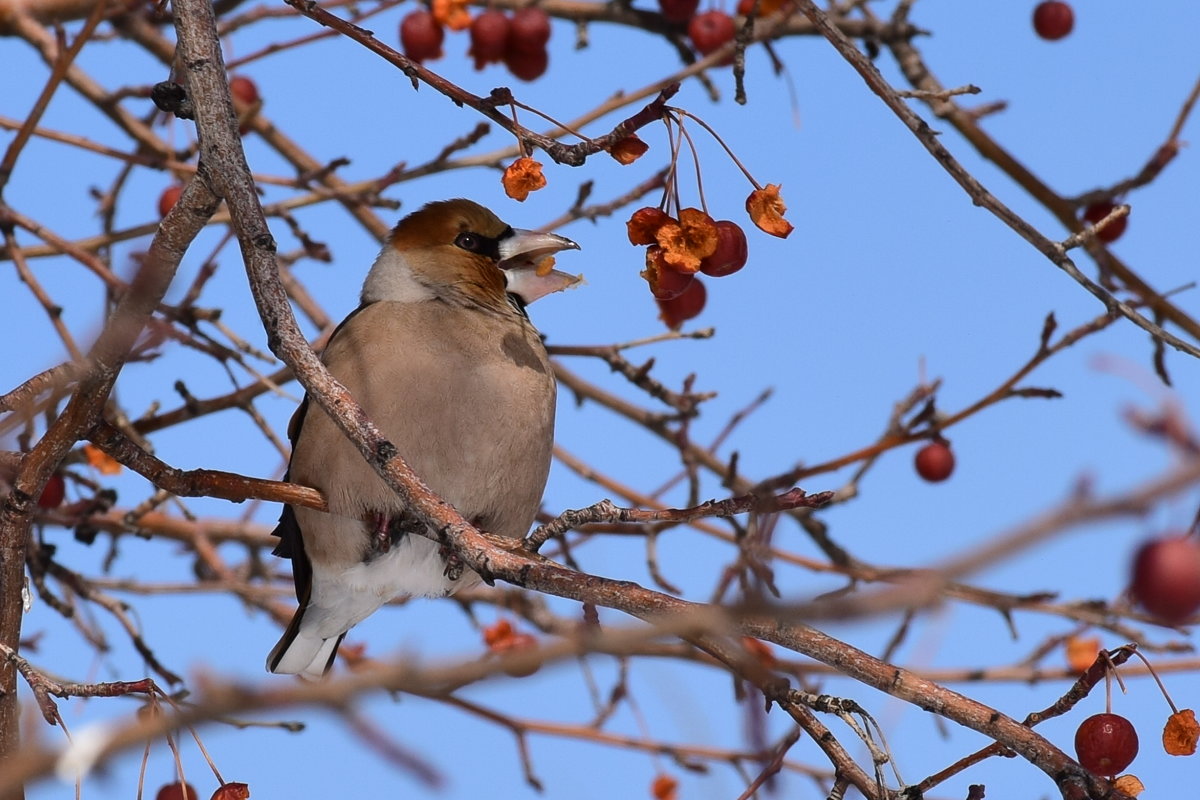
891, 274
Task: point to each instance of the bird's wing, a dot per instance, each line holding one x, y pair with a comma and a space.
291, 545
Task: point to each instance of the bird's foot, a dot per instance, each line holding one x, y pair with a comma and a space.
381, 535
454, 565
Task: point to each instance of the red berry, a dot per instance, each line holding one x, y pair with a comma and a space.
665, 283
527, 65
730, 255
421, 36
529, 30
53, 492
1166, 577
765, 7
246, 100
489, 34
1053, 19
711, 31
168, 198
688, 304
1106, 744
935, 462
244, 90
177, 791
678, 10
231, 791
1098, 211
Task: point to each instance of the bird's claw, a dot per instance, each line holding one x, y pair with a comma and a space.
454, 565
381, 534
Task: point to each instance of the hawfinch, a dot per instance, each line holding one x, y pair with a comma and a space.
441, 355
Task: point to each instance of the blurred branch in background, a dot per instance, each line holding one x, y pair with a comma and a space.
716, 538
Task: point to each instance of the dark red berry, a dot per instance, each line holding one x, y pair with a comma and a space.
678, 10
529, 30
1098, 211
1106, 744
731, 252
765, 7
489, 36
1053, 19
246, 100
177, 791
689, 304
711, 31
244, 90
665, 283
421, 36
53, 493
527, 65
168, 198
935, 462
231, 791
1166, 577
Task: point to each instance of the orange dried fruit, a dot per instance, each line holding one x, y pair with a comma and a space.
452, 13
499, 631
1081, 653
664, 787
643, 226
100, 460
688, 242
761, 651
522, 177
766, 209
1130, 785
629, 149
1181, 732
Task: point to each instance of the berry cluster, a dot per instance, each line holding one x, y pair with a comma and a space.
185, 791
1106, 744
680, 248
709, 31
518, 41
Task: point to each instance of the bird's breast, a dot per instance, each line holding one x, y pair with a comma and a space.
467, 399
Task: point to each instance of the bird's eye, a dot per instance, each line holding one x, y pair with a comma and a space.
469, 242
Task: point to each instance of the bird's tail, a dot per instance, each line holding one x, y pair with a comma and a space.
301, 653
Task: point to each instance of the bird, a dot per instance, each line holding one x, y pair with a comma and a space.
442, 356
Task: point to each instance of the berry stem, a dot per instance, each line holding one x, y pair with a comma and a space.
1133, 649
671, 181
720, 141
1108, 671
520, 141
695, 160
518, 104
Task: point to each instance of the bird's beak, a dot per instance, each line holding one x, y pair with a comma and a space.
520, 257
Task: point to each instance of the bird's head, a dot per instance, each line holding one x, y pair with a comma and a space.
457, 249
